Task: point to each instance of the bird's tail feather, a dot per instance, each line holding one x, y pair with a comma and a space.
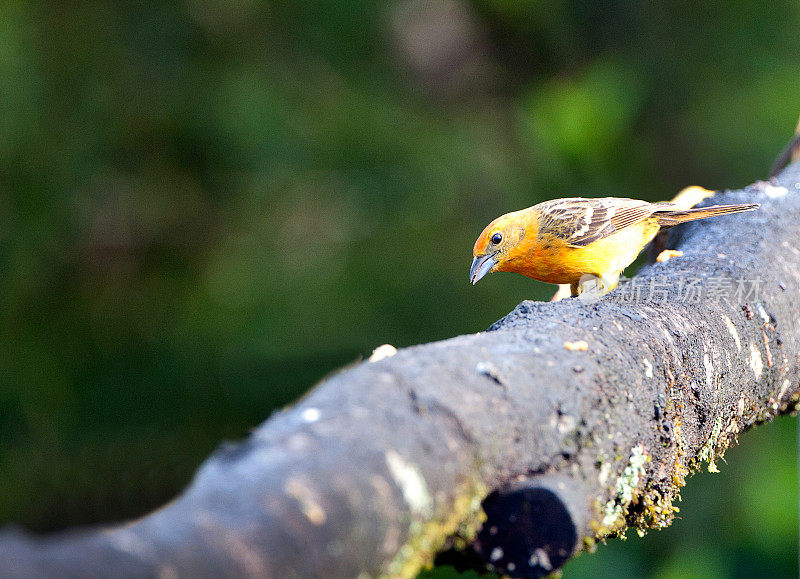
667, 218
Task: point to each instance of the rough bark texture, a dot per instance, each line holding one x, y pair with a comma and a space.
386, 463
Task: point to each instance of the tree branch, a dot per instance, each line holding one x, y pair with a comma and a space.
576, 420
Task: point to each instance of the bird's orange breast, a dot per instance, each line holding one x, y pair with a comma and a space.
551, 259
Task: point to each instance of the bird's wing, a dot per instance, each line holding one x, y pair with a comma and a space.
580, 221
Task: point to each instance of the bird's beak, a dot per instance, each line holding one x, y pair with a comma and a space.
481, 265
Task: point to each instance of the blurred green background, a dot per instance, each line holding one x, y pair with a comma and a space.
206, 206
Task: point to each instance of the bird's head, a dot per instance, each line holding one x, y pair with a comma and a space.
498, 245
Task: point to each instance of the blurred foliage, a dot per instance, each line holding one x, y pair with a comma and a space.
206, 206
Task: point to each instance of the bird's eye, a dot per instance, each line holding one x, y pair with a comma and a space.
497, 238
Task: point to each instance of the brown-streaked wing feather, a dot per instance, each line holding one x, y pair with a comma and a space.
580, 221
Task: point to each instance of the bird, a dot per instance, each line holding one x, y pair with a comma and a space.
577, 240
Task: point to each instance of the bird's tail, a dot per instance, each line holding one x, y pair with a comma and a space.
669, 218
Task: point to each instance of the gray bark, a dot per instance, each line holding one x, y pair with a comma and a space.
388, 462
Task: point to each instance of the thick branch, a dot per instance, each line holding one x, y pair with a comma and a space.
382, 464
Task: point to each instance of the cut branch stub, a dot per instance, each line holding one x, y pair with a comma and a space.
531, 528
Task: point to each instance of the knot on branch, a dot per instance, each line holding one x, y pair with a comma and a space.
531, 528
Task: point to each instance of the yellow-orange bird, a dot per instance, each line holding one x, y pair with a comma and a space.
569, 241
